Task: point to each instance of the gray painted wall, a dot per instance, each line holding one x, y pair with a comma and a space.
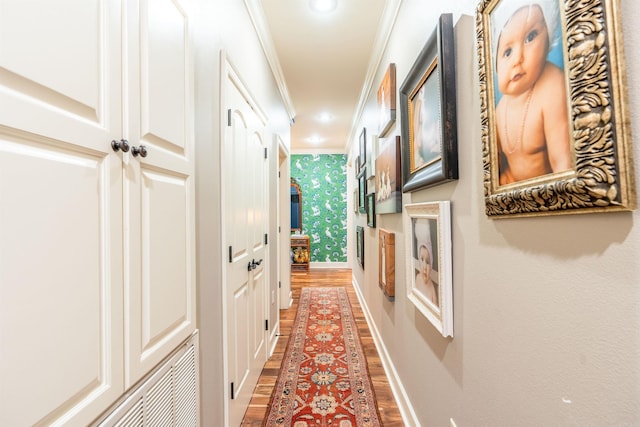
546, 310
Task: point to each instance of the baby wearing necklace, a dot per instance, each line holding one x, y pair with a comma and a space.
531, 117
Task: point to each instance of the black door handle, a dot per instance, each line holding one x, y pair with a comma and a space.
142, 151
123, 145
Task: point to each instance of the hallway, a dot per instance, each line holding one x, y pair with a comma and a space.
389, 413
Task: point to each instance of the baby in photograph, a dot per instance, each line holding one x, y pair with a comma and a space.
531, 115
424, 266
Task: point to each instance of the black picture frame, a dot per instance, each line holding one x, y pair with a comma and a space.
371, 210
362, 190
360, 245
432, 80
363, 148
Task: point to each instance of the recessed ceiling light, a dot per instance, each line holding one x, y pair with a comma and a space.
324, 117
323, 5
315, 139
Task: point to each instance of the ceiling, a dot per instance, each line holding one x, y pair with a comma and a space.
324, 63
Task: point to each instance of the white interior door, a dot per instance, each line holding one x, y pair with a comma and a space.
245, 219
159, 190
60, 211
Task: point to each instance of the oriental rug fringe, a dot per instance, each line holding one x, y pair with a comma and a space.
323, 379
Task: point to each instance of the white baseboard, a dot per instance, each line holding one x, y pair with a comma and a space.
321, 265
399, 393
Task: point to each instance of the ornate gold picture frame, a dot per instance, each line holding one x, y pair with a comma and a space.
558, 143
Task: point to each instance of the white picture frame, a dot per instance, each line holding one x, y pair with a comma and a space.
428, 262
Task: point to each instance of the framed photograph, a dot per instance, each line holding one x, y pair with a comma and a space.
556, 141
388, 179
429, 273
356, 166
355, 201
372, 152
360, 245
362, 140
362, 191
428, 113
371, 210
387, 263
387, 101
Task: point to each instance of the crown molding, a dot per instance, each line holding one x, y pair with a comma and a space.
387, 21
256, 13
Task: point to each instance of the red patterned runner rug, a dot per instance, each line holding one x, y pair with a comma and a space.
323, 379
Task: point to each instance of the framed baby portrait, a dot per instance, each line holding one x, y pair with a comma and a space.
387, 101
428, 113
554, 119
428, 262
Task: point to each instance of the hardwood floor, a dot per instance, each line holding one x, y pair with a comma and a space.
389, 413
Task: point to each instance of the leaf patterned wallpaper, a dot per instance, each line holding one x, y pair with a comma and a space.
323, 181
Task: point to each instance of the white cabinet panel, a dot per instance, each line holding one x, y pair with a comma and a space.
97, 246
159, 192
161, 293
60, 281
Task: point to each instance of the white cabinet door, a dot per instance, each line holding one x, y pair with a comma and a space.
245, 218
159, 188
61, 299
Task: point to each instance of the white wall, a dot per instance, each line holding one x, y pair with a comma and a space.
546, 310
222, 24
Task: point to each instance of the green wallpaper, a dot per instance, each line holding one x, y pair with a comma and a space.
323, 181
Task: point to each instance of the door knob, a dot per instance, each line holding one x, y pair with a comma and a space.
142, 150
123, 145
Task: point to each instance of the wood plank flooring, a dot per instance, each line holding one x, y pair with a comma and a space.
389, 413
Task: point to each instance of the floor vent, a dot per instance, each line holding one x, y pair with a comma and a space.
168, 397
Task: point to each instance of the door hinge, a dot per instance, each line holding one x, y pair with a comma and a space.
265, 153
266, 325
232, 394
279, 229
279, 284
229, 117
266, 239
230, 253
278, 174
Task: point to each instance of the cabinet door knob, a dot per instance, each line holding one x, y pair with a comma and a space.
123, 145
142, 150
